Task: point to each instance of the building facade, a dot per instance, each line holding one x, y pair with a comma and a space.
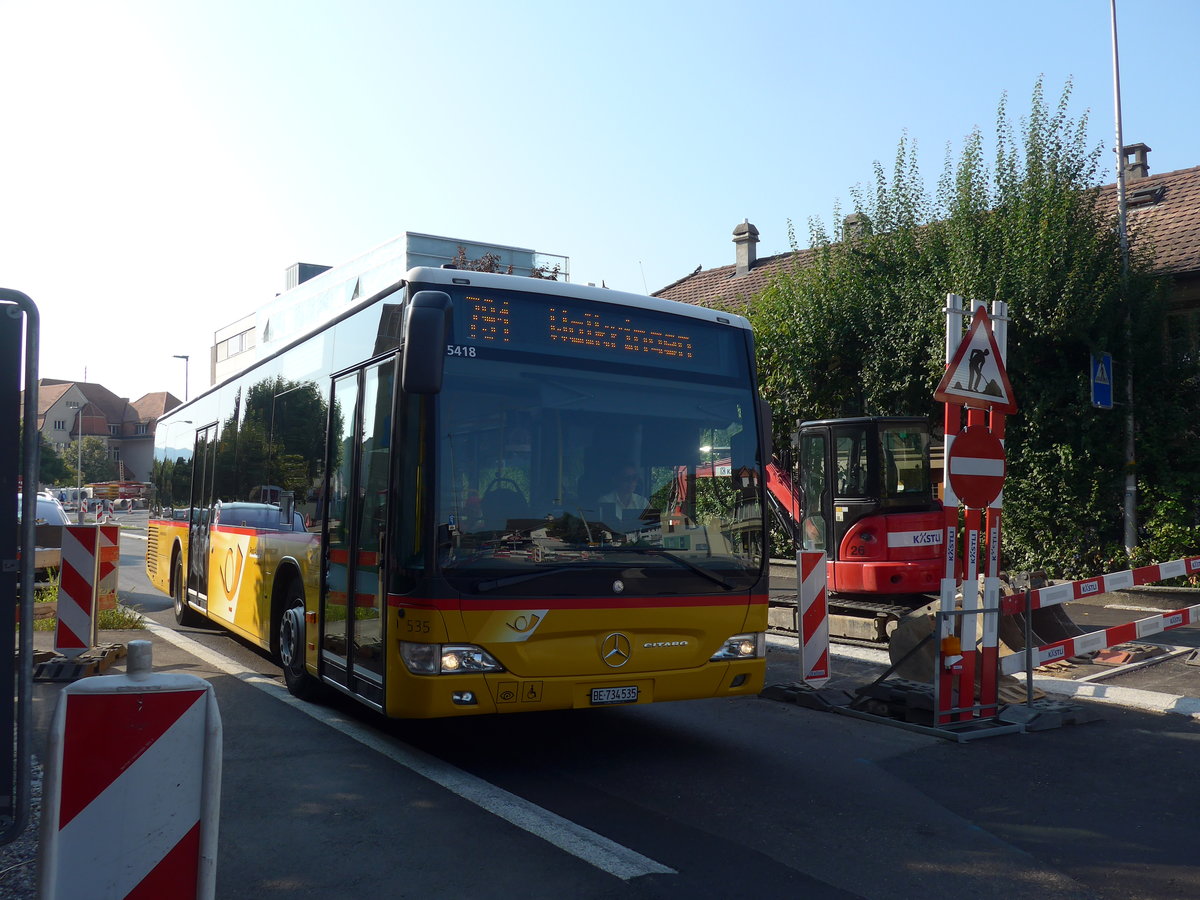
68, 410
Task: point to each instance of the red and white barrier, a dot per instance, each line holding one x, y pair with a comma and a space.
814, 618
108, 565
83, 546
132, 787
1012, 604
1103, 639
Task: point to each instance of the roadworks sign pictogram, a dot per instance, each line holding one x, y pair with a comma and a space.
977, 376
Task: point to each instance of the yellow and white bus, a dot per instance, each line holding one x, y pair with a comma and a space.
478, 493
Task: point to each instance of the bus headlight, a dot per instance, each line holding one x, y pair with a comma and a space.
743, 646
447, 659
468, 658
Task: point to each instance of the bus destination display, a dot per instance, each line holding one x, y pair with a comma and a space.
593, 330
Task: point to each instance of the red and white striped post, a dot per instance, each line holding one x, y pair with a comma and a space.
990, 647
83, 546
944, 674
814, 618
132, 789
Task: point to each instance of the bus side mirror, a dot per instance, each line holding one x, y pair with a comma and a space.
765, 436
426, 327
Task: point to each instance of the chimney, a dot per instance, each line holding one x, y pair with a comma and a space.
1138, 167
745, 236
854, 225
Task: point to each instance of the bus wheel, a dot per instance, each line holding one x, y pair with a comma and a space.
291, 647
184, 614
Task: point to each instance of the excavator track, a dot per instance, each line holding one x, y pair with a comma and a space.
851, 620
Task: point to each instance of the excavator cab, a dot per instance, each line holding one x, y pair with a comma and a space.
866, 499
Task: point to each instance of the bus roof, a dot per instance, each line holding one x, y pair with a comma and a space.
450, 277
428, 275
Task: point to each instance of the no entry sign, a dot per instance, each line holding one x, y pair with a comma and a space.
976, 465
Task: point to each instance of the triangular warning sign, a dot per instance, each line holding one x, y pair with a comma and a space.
977, 376
1101, 372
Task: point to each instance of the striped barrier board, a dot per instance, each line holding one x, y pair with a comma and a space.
79, 581
1014, 604
814, 618
1103, 639
132, 787
108, 564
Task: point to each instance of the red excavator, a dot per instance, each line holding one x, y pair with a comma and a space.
864, 494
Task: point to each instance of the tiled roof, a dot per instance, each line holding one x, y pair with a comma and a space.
151, 406
721, 286
49, 393
1169, 225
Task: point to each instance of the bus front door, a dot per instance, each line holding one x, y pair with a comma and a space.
200, 513
352, 619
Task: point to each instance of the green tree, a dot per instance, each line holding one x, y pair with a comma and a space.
856, 327
52, 468
97, 466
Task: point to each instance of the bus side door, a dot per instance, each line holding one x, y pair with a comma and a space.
200, 514
357, 492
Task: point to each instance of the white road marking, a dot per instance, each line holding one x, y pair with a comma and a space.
592, 848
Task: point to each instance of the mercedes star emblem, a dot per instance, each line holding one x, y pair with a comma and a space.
615, 650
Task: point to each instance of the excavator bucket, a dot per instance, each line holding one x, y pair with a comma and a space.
913, 650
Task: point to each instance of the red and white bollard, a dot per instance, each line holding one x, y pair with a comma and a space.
84, 548
814, 618
132, 789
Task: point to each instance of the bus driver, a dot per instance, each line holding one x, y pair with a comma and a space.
627, 502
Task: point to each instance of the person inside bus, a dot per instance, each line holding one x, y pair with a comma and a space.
627, 503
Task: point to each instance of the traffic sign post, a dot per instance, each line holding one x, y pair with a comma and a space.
1102, 381
976, 378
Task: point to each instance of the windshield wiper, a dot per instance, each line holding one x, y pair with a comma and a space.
659, 551
484, 586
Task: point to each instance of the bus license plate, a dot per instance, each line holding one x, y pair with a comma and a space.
614, 695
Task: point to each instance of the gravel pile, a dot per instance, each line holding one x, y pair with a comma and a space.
18, 860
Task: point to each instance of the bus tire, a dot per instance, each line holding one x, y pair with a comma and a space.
300, 683
185, 616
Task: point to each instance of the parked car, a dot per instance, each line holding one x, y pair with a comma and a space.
49, 519
49, 512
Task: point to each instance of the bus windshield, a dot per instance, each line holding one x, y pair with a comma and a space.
564, 480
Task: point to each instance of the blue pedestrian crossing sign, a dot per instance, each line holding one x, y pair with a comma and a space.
1102, 381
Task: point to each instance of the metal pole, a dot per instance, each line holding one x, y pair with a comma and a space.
185, 358
30, 451
1028, 648
1123, 231
79, 460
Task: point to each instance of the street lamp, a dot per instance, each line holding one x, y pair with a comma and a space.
184, 357
78, 407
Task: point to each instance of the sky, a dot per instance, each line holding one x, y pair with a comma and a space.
163, 162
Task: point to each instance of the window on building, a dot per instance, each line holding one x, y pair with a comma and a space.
114, 430
232, 346
60, 424
142, 428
